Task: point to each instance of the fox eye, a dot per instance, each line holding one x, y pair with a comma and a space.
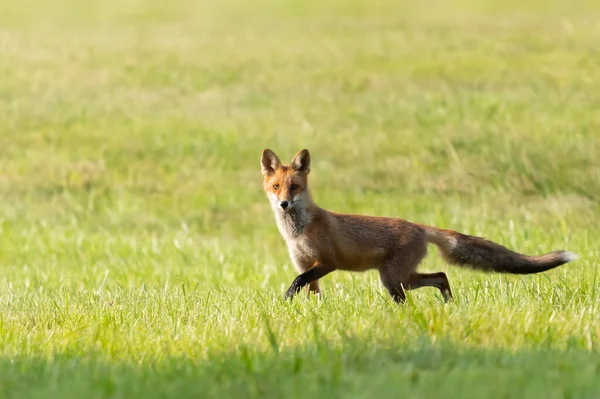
294, 186
276, 186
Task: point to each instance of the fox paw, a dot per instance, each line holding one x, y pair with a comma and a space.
294, 288
289, 294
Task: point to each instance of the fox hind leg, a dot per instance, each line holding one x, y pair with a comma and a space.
394, 284
437, 280
397, 285
396, 270
399, 274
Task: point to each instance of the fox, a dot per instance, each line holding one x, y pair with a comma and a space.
320, 241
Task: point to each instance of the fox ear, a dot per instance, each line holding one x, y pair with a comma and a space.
269, 162
301, 161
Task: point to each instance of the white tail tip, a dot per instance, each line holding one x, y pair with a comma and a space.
570, 256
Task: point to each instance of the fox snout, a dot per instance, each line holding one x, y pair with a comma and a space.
283, 203
286, 204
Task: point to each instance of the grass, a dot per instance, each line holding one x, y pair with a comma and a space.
139, 256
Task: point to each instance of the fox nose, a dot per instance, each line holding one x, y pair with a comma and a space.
284, 204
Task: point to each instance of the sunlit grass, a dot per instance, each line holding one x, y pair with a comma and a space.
138, 253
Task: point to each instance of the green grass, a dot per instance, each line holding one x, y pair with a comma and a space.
138, 253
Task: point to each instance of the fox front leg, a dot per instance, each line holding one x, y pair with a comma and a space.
306, 278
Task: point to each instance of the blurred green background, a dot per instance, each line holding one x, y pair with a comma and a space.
139, 255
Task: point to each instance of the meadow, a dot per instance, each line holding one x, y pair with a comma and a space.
139, 257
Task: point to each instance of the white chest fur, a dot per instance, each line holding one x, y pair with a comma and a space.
292, 224
292, 227
302, 253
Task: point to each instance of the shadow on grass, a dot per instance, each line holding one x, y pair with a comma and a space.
359, 370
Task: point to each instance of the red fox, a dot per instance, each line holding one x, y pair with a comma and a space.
320, 241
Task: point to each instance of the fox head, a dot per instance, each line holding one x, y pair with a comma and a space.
286, 185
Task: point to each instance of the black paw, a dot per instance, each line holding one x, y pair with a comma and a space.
289, 294
294, 288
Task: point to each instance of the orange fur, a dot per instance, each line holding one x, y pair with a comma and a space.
320, 241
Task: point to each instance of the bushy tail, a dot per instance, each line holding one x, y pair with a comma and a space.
484, 255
